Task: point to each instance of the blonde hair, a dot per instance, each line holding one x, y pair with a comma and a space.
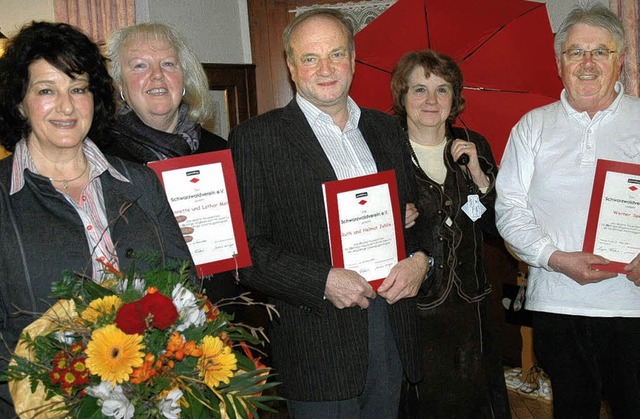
197, 98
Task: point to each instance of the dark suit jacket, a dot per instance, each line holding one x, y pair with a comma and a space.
319, 351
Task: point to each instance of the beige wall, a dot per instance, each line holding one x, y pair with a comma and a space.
16, 13
217, 30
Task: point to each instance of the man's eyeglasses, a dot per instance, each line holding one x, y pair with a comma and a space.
598, 54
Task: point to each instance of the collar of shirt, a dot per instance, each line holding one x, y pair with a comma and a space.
22, 161
315, 116
619, 88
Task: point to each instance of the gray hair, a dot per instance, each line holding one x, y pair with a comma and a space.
331, 13
593, 15
197, 98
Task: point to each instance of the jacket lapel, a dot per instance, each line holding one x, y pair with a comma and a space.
378, 145
117, 198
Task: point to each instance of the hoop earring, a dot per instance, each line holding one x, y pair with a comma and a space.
122, 96
184, 91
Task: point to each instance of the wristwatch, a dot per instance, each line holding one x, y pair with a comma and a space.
430, 260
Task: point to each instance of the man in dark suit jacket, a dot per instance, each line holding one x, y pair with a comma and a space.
340, 348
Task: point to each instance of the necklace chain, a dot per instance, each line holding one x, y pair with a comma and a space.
65, 182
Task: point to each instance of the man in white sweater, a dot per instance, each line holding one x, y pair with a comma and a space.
586, 321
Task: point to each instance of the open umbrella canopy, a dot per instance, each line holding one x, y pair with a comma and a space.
503, 47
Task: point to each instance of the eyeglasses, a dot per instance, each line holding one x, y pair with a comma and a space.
598, 54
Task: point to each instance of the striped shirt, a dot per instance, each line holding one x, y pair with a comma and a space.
346, 150
91, 209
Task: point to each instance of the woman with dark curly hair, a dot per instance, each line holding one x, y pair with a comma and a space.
63, 204
455, 173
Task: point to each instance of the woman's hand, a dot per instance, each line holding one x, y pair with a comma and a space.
460, 147
186, 231
410, 215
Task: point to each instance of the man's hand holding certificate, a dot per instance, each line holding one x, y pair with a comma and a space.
613, 226
365, 227
367, 244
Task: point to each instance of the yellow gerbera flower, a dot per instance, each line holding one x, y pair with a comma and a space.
112, 354
217, 362
101, 307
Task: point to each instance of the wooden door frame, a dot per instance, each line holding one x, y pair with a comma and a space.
238, 82
267, 20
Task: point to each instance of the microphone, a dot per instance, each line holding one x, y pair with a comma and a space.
463, 159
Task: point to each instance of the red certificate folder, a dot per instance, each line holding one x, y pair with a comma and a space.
352, 196
181, 176
614, 212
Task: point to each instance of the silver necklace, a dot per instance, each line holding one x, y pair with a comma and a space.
65, 182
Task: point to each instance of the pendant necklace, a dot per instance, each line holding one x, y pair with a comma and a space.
65, 182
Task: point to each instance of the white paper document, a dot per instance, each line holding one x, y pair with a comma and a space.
618, 229
199, 193
368, 232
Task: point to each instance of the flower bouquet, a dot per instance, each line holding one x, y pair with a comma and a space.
137, 347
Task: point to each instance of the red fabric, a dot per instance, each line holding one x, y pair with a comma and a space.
503, 45
495, 113
371, 88
400, 29
517, 58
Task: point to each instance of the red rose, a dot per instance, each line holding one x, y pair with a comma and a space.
161, 308
131, 318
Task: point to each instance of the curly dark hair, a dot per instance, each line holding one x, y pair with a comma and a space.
70, 51
432, 62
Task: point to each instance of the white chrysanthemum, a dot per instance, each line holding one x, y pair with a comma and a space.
182, 297
101, 391
138, 284
67, 336
114, 403
187, 305
169, 407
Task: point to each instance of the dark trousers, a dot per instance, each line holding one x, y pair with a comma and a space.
588, 359
381, 394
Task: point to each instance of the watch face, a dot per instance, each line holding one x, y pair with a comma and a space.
432, 261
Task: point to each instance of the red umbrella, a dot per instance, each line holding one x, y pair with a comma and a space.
504, 48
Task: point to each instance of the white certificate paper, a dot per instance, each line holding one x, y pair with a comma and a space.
368, 232
365, 226
613, 227
200, 194
203, 188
